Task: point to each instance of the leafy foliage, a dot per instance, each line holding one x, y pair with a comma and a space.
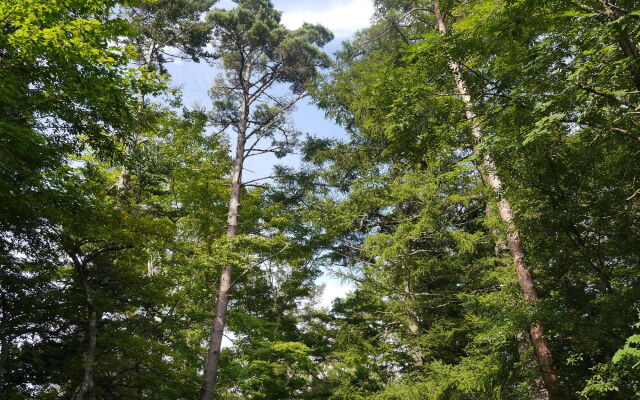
114, 201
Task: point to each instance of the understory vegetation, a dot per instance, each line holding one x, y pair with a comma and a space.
484, 204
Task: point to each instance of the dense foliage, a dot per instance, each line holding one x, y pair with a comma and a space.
488, 190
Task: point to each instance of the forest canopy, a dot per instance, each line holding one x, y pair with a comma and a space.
484, 203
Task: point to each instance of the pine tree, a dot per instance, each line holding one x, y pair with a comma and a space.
257, 53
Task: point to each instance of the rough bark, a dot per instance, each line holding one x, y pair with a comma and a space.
215, 341
536, 387
83, 390
525, 280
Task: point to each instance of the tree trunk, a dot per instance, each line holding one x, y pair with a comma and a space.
5, 342
626, 43
536, 387
4, 358
525, 280
414, 331
89, 356
215, 341
412, 324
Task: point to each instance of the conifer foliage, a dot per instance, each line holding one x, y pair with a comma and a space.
484, 205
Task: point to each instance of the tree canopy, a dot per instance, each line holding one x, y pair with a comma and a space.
484, 204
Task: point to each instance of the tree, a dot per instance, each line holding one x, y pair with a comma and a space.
433, 314
257, 53
169, 30
91, 280
164, 31
47, 116
395, 90
489, 170
451, 107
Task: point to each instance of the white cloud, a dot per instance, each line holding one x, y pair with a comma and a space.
227, 340
333, 290
342, 19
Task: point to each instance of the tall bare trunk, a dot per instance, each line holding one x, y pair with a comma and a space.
88, 358
536, 330
215, 341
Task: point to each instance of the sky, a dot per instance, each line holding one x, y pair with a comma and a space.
343, 18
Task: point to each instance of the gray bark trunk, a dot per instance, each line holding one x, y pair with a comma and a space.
215, 341
525, 280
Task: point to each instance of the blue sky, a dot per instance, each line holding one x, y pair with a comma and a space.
343, 18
